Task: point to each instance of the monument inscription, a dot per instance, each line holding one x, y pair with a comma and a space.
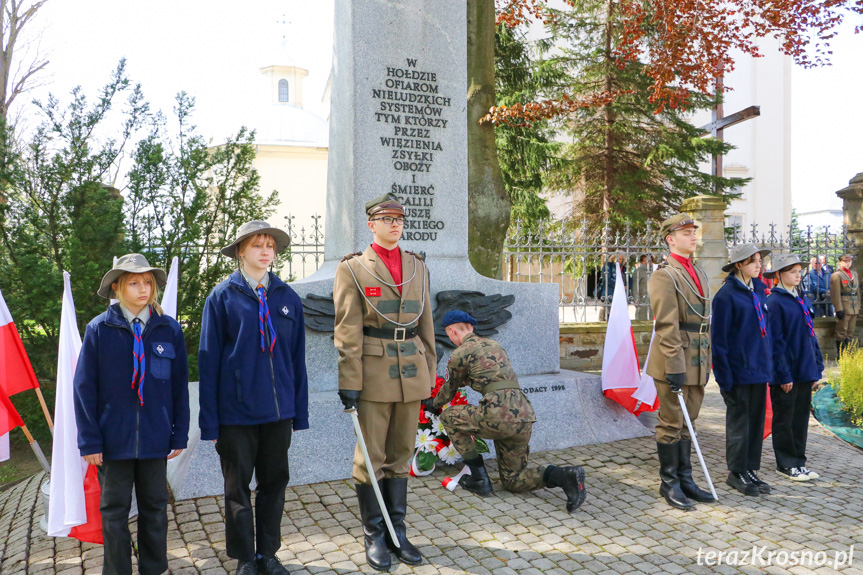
412, 115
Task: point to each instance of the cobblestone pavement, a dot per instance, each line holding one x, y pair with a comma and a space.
623, 527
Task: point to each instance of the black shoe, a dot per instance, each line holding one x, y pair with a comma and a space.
742, 483
684, 473
374, 528
669, 461
838, 351
763, 487
571, 480
270, 566
478, 481
395, 492
246, 568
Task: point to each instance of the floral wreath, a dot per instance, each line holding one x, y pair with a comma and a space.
432, 444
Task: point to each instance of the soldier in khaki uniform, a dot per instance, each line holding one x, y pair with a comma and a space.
845, 294
384, 334
679, 360
504, 415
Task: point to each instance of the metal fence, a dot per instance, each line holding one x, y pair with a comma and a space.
820, 247
582, 263
307, 249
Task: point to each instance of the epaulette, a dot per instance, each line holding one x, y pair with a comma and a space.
420, 255
349, 256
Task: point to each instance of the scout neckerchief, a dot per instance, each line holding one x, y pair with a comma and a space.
806, 315
138, 358
264, 315
762, 323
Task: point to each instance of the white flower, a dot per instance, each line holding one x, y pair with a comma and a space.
425, 440
437, 426
448, 455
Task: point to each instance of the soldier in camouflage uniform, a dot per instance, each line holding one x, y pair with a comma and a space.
504, 415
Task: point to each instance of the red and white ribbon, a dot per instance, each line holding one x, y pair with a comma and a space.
451, 483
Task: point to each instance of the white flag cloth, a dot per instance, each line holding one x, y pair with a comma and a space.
169, 298
620, 373
4, 447
646, 392
67, 505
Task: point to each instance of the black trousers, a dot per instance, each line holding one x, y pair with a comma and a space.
116, 479
791, 423
744, 426
262, 449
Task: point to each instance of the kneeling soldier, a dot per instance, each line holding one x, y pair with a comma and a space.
504, 415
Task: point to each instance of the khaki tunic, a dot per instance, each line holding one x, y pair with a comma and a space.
674, 299
393, 376
845, 295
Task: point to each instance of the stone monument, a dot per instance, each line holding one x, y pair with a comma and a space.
398, 124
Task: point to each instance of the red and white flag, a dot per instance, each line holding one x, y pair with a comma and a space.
4, 447
646, 392
620, 373
16, 373
169, 298
9, 418
69, 511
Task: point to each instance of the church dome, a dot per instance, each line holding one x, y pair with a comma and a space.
287, 124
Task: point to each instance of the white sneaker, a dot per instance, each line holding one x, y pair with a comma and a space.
792, 473
809, 473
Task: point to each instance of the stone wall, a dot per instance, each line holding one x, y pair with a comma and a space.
581, 344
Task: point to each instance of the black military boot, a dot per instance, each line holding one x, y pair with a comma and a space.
684, 473
571, 480
838, 348
478, 481
669, 461
395, 492
374, 528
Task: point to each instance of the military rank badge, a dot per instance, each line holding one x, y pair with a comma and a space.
373, 292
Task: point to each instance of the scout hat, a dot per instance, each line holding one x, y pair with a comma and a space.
781, 261
676, 222
133, 264
254, 228
386, 204
740, 253
457, 316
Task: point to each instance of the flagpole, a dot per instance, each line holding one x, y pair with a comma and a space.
37, 450
45, 411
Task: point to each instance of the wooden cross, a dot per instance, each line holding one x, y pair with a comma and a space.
719, 122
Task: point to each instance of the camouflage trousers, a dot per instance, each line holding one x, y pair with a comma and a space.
511, 441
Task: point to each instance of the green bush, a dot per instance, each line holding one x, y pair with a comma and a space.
849, 387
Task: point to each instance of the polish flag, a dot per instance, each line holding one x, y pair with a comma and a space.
16, 373
169, 298
620, 374
70, 512
646, 392
4, 447
9, 418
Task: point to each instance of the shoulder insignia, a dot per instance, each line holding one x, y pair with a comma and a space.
349, 256
419, 255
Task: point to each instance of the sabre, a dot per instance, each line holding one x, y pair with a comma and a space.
368, 461
695, 443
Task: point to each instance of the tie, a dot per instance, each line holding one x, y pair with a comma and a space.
807, 316
264, 316
138, 365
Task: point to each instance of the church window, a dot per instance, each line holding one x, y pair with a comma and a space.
283, 90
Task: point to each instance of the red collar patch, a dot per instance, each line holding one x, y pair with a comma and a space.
373, 292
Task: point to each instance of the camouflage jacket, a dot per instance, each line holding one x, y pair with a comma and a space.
483, 365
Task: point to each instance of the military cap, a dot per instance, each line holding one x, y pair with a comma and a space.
781, 261
133, 264
742, 252
676, 222
846, 257
457, 316
386, 204
254, 228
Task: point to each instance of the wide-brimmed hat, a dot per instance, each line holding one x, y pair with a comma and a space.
742, 252
781, 261
254, 228
133, 264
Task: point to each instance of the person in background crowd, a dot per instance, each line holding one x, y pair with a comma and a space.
640, 276
845, 293
817, 288
130, 431
828, 269
743, 365
797, 365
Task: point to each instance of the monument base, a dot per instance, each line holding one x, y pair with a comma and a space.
570, 411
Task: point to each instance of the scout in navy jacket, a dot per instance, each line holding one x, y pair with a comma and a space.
797, 357
111, 417
741, 356
240, 383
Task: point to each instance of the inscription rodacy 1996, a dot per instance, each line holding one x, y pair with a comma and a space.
412, 116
